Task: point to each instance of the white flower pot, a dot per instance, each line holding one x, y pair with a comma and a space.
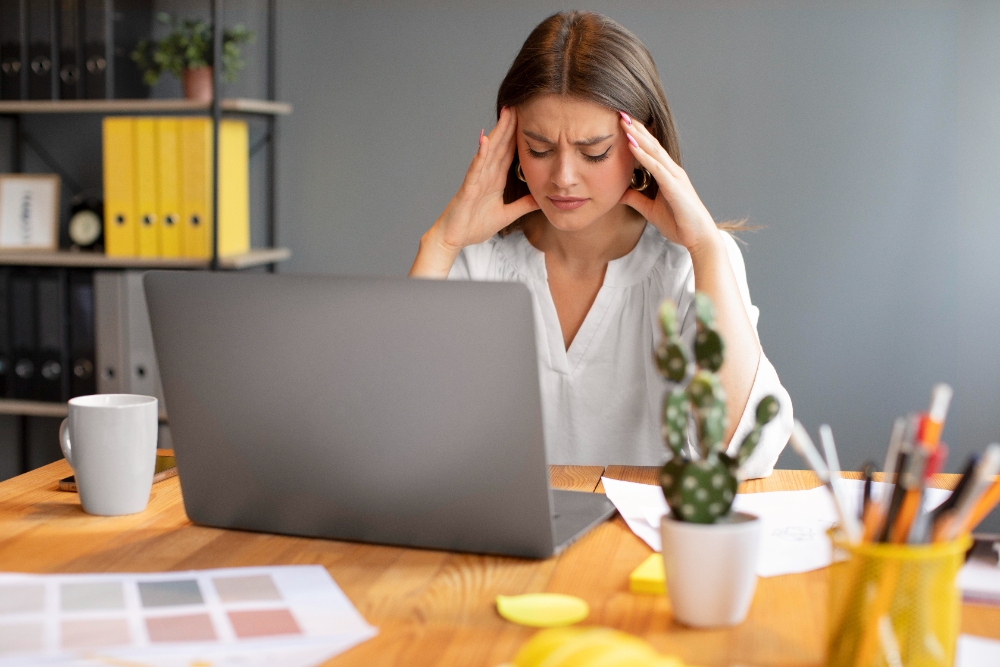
711, 569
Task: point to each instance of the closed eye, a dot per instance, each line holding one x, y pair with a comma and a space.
599, 158
590, 158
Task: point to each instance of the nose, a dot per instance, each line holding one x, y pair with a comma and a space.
563, 171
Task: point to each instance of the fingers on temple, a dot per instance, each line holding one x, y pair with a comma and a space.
652, 146
663, 176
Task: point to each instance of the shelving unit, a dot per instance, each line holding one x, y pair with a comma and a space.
268, 109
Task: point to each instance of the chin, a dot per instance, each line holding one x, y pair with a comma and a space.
571, 221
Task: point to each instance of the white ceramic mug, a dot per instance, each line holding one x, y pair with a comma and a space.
711, 569
110, 441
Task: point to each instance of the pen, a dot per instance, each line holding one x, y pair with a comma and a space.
941, 395
989, 466
921, 527
984, 507
873, 522
910, 482
848, 519
963, 481
903, 463
804, 447
868, 474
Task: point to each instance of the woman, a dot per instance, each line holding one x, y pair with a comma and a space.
578, 193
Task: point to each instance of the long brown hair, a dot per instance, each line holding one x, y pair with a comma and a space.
588, 55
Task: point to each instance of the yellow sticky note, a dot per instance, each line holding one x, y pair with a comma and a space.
542, 610
648, 577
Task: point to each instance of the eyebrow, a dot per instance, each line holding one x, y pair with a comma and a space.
583, 142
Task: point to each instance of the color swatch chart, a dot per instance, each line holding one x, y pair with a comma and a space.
119, 614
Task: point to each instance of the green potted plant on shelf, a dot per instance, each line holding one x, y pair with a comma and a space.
186, 52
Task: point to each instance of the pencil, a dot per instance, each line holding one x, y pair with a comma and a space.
983, 507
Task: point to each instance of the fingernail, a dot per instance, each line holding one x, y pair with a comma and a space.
631, 140
481, 137
628, 121
502, 108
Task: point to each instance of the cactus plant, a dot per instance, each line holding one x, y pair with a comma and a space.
699, 489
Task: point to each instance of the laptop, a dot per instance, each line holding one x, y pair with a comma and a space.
383, 410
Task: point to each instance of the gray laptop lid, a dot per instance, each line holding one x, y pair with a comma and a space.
374, 409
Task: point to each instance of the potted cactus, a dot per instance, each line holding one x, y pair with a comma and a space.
709, 552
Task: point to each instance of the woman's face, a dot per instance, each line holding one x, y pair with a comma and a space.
575, 158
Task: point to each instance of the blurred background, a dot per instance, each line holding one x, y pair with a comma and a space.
863, 138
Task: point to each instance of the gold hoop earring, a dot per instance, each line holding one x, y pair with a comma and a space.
520, 174
646, 178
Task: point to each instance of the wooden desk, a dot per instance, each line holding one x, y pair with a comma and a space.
432, 607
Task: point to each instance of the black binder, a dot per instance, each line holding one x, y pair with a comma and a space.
83, 380
4, 331
70, 50
40, 65
52, 380
23, 335
94, 49
10, 50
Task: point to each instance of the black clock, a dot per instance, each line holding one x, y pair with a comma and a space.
86, 222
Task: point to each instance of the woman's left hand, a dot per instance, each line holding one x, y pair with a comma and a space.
677, 210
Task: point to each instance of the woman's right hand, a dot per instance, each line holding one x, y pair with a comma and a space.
477, 211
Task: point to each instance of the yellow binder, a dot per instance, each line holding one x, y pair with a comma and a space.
168, 194
196, 186
145, 187
120, 236
234, 188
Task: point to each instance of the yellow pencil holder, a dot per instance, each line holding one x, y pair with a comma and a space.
892, 604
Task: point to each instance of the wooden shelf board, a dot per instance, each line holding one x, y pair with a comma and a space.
67, 258
235, 105
13, 406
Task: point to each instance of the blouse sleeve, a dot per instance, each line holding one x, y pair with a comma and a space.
483, 261
775, 434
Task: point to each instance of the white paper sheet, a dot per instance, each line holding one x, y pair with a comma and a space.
977, 652
295, 616
795, 522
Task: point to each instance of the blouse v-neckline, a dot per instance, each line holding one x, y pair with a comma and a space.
620, 273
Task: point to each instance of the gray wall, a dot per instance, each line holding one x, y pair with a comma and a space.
864, 139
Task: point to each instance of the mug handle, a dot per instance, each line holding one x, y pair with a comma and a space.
64, 443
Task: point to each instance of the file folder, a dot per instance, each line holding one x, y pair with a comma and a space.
196, 185
109, 332
120, 235
82, 379
10, 50
145, 187
94, 50
23, 336
234, 188
70, 51
169, 189
4, 331
52, 382
40, 74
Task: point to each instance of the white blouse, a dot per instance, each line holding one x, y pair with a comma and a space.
602, 398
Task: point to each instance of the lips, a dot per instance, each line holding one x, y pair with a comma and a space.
568, 203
